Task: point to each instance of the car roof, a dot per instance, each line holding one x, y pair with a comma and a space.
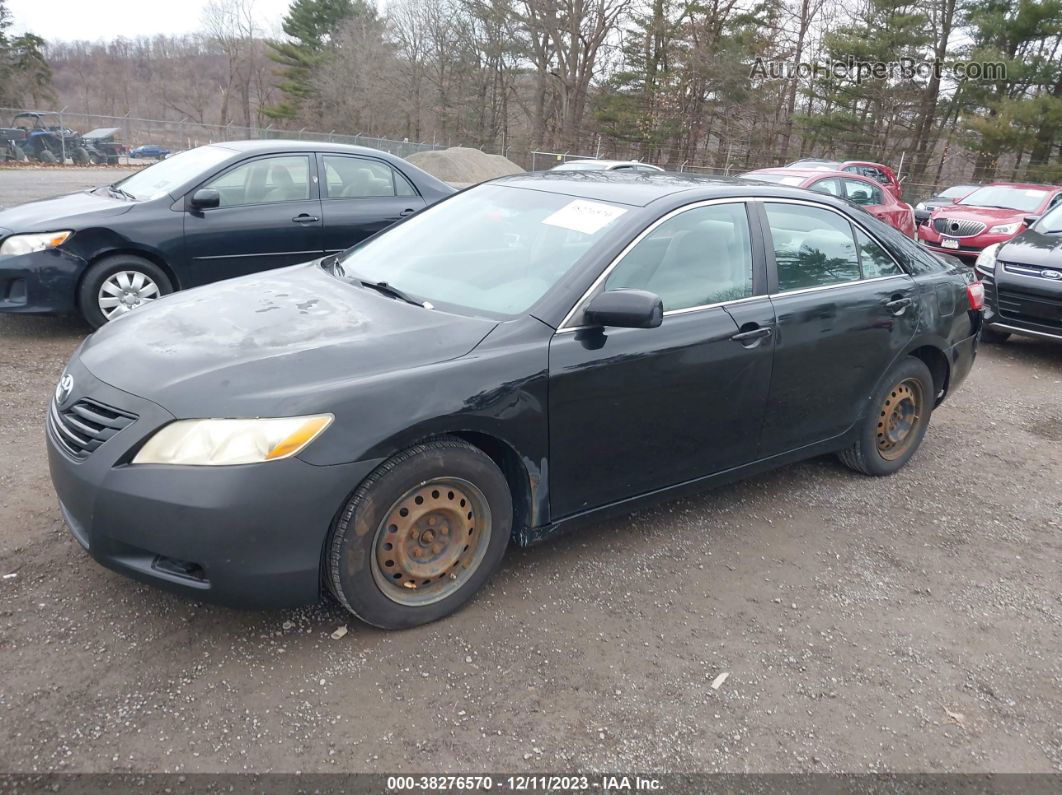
641, 189
821, 173
285, 145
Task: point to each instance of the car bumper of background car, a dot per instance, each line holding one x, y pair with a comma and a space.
969, 247
43, 282
245, 536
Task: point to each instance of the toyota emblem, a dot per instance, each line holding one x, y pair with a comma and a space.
1051, 274
65, 387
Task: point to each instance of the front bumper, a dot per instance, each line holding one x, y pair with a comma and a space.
1022, 304
43, 282
969, 247
248, 536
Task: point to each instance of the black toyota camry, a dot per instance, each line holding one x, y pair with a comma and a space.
1023, 282
381, 424
206, 214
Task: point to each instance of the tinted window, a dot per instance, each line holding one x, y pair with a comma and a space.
264, 181
827, 186
859, 192
876, 261
701, 256
812, 247
357, 178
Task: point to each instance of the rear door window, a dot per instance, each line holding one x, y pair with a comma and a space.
813, 247
360, 178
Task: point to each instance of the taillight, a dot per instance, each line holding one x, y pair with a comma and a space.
975, 294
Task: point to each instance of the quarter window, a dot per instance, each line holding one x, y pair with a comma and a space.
876, 261
701, 256
812, 247
265, 181
358, 178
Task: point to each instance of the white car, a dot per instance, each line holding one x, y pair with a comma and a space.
607, 165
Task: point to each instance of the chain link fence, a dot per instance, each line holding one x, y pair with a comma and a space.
130, 132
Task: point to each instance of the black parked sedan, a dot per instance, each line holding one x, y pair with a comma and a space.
206, 214
1023, 282
524, 354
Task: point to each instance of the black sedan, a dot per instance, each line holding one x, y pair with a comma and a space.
206, 214
527, 353
1023, 282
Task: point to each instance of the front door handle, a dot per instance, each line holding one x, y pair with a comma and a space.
897, 305
406, 212
305, 218
752, 337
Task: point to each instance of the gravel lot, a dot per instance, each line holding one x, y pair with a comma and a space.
905, 624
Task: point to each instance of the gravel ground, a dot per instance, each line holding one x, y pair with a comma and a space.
904, 624
25, 183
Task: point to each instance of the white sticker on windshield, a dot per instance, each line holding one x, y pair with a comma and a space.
584, 216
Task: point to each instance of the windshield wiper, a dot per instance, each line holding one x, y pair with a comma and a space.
394, 292
116, 191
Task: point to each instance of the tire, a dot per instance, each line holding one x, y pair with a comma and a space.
447, 476
994, 337
46, 156
905, 396
18, 155
89, 293
81, 157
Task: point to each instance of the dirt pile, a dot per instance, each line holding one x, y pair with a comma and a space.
461, 165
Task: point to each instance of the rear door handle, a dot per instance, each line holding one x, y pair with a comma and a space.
305, 218
406, 212
897, 305
752, 338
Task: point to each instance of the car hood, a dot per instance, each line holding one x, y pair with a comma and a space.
1033, 248
73, 210
991, 216
270, 344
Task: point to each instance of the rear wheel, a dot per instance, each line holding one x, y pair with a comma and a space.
81, 156
46, 156
994, 337
421, 535
896, 424
119, 284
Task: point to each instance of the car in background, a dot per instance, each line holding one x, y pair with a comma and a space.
945, 198
1023, 282
505, 365
876, 171
864, 191
608, 165
150, 152
992, 214
197, 217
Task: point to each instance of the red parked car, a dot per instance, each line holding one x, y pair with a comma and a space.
875, 171
864, 191
989, 215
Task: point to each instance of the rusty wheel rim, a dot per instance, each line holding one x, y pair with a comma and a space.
431, 541
899, 418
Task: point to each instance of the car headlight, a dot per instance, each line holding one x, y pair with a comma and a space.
986, 260
920, 206
227, 442
27, 244
1005, 229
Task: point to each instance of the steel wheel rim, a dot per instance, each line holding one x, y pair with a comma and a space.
125, 291
431, 541
899, 417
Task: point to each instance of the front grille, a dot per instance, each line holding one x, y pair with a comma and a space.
1038, 273
1029, 307
84, 426
958, 227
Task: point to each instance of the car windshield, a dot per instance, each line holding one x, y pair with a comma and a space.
158, 180
492, 250
1024, 199
580, 167
957, 191
780, 179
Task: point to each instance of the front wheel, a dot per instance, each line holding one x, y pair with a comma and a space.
421, 535
119, 284
896, 423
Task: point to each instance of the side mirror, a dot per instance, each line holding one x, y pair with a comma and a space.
205, 198
625, 309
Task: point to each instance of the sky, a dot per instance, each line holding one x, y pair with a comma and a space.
94, 20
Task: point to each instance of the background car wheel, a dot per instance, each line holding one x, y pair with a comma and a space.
47, 157
899, 416
994, 337
421, 535
81, 156
120, 284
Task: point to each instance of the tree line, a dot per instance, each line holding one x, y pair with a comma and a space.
675, 82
